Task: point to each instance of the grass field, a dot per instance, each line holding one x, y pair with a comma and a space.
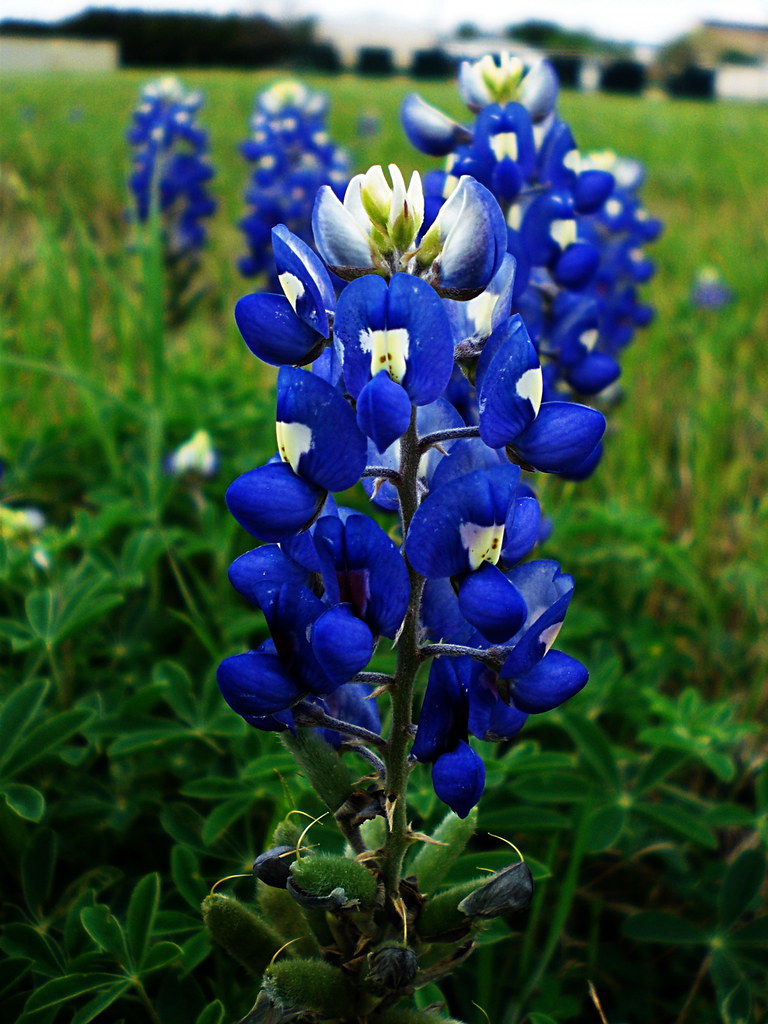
641, 798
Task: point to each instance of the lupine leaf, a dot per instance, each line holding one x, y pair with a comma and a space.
161, 954
100, 1002
741, 885
26, 801
37, 867
62, 990
187, 879
679, 821
140, 918
46, 737
592, 745
212, 1014
18, 711
106, 931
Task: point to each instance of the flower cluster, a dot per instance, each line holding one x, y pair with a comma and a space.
171, 167
574, 223
373, 386
292, 156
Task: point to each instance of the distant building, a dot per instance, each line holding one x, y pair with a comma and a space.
28, 53
713, 41
352, 36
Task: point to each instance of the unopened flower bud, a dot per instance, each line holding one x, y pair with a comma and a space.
508, 891
393, 967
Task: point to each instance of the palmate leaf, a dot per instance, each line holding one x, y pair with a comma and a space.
683, 823
592, 745
187, 877
212, 1014
18, 711
101, 1001
26, 749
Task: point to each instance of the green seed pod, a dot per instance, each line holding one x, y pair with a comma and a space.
311, 985
339, 880
287, 832
440, 917
432, 862
330, 777
507, 892
248, 940
284, 914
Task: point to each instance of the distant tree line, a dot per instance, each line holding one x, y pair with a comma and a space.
148, 39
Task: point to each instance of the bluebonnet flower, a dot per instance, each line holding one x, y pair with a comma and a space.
709, 290
292, 156
171, 166
575, 224
195, 455
370, 387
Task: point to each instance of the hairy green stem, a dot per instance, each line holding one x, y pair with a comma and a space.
401, 693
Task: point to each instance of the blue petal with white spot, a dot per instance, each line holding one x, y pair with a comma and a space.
304, 279
273, 332
510, 384
400, 327
317, 431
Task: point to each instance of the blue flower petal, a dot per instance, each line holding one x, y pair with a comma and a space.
449, 530
257, 574
383, 410
510, 384
593, 373
274, 333
428, 129
492, 604
547, 593
443, 716
562, 436
257, 683
522, 531
551, 682
458, 778
271, 502
342, 643
351, 703
317, 431
303, 278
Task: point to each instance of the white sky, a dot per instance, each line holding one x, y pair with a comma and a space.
650, 21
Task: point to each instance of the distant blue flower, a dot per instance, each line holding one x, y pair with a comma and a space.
709, 290
171, 166
292, 156
195, 455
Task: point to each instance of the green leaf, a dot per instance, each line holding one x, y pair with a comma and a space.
22, 940
178, 687
46, 737
37, 867
149, 739
223, 816
680, 822
593, 747
100, 1002
753, 934
604, 827
42, 612
212, 1014
160, 955
555, 787
741, 885
18, 711
26, 801
541, 1018
657, 767
140, 919
195, 950
187, 878
62, 990
521, 818
661, 926
106, 931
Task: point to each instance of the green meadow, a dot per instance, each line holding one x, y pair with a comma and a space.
130, 789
